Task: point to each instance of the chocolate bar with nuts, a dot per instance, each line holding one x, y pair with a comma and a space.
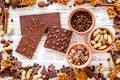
58, 39
29, 42
48, 19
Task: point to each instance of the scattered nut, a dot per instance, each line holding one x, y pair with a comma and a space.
111, 12
29, 74
78, 1
9, 32
36, 77
63, 1
6, 62
112, 74
117, 44
117, 61
117, 5
94, 2
62, 76
1, 33
29, 2
111, 63
41, 4
7, 1
3, 41
23, 77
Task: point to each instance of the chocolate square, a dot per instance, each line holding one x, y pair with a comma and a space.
48, 19
58, 39
30, 41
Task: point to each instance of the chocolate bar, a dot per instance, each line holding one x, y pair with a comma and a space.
2, 4
29, 42
48, 19
58, 39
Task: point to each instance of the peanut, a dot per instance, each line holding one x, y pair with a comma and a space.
36, 77
97, 37
93, 42
105, 37
96, 33
97, 45
102, 47
23, 75
9, 32
109, 39
29, 73
117, 61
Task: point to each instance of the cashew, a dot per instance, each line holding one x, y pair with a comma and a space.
102, 47
104, 32
36, 77
111, 63
29, 73
1, 28
1, 33
109, 39
97, 37
105, 37
10, 78
97, 45
93, 42
23, 75
9, 32
7, 1
117, 61
96, 33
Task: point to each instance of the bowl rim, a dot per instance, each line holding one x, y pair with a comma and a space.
108, 48
83, 65
85, 10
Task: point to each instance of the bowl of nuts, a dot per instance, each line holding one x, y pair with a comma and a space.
78, 55
81, 20
101, 39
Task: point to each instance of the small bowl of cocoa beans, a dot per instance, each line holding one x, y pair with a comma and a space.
78, 55
101, 39
81, 20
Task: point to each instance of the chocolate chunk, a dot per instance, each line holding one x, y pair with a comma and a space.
117, 78
5, 72
58, 39
19, 64
1, 56
1, 4
52, 74
44, 72
29, 42
117, 21
48, 19
64, 70
52, 67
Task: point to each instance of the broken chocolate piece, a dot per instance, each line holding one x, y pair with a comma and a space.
15, 3
48, 19
44, 72
5, 72
117, 21
29, 42
58, 39
2, 4
52, 74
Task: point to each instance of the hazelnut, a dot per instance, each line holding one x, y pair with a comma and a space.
12, 69
41, 4
7, 1
3, 41
7, 44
